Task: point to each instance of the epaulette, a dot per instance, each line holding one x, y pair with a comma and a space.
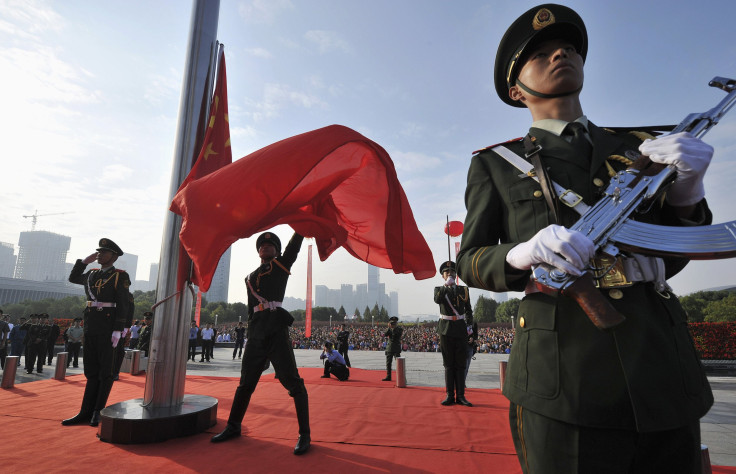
652, 130
502, 143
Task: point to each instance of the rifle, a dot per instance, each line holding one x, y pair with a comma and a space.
608, 225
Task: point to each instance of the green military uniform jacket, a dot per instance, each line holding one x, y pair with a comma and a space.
394, 340
460, 299
109, 286
644, 374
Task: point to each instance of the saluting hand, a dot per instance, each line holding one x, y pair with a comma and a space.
91, 258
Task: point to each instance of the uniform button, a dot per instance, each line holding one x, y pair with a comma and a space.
522, 322
598, 182
537, 193
616, 294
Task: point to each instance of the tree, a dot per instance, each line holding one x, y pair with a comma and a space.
383, 315
485, 310
366, 315
695, 304
507, 309
341, 313
723, 310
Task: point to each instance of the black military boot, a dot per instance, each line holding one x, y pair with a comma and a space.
88, 402
237, 413
95, 418
230, 431
301, 403
460, 389
449, 388
78, 419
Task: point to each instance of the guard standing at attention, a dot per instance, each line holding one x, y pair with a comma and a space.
144, 338
454, 329
627, 399
107, 290
343, 344
268, 337
393, 348
35, 344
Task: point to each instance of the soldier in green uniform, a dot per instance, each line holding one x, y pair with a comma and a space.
456, 316
268, 337
35, 342
584, 400
144, 336
393, 348
107, 290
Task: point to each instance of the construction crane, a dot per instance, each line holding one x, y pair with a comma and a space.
36, 215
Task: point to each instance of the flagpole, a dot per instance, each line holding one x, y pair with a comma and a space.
165, 412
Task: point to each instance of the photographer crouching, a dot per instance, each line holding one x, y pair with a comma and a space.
334, 363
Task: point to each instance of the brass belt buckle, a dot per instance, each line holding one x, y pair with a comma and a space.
609, 273
260, 306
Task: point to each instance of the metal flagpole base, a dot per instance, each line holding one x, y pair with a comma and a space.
130, 423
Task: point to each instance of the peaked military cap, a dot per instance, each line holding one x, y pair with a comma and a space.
148, 315
393, 319
107, 244
448, 265
544, 22
271, 238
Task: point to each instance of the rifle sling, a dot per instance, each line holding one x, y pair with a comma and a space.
544, 180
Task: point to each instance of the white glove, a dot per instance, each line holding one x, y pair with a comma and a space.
115, 338
125, 331
450, 281
567, 250
691, 156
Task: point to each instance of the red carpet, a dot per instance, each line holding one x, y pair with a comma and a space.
362, 425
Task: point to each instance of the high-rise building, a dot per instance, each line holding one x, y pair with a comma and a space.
7, 260
394, 304
129, 263
373, 280
42, 256
365, 295
220, 281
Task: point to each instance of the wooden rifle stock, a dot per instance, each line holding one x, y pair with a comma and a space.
599, 310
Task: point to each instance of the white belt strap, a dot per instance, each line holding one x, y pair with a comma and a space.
566, 196
272, 305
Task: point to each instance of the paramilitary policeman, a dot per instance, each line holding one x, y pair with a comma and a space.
35, 342
628, 399
343, 344
456, 316
144, 336
268, 337
393, 348
107, 290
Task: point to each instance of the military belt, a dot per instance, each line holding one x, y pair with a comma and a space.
99, 305
272, 305
452, 318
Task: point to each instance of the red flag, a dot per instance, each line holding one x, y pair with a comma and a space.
215, 154
332, 184
308, 322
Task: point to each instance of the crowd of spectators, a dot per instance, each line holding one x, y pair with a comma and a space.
365, 337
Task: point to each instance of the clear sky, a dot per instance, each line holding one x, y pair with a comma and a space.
90, 94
